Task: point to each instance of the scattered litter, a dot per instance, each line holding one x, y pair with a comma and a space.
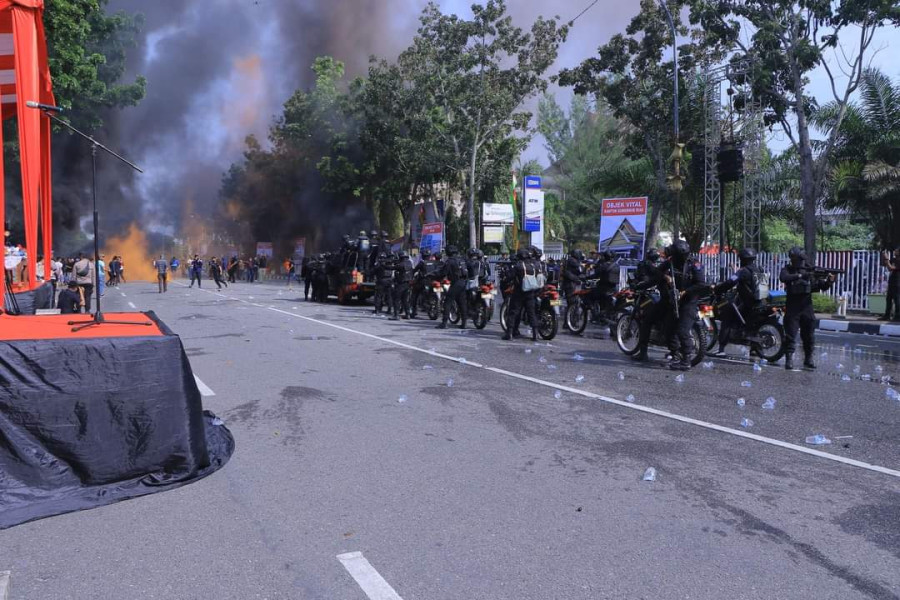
746, 384
769, 404
856, 370
680, 378
542, 360
294, 307
217, 421
745, 423
845, 377
650, 474
551, 367
548, 344
579, 378
557, 394
757, 368
866, 377
427, 368
578, 357
629, 398
708, 365
741, 402
843, 437
528, 350
892, 394
817, 440
403, 398
462, 361
621, 376
449, 383
879, 368
857, 351
823, 356
763, 362
839, 366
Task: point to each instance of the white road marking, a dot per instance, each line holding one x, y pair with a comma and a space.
4, 585
371, 582
123, 294
620, 403
131, 304
204, 389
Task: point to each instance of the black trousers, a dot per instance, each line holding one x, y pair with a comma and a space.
416, 292
528, 301
400, 297
803, 318
307, 282
893, 298
653, 314
457, 293
195, 275
382, 295
678, 333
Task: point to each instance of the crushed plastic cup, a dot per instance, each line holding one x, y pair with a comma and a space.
817, 440
403, 398
621, 375
769, 404
865, 377
757, 368
449, 383
763, 362
649, 474
557, 394
551, 367
708, 365
218, 422
745, 423
879, 368
680, 378
845, 377
741, 402
578, 357
427, 368
892, 394
839, 366
629, 398
579, 378
528, 350
856, 370
746, 384
542, 359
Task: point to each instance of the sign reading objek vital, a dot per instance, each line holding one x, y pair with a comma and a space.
432, 237
623, 222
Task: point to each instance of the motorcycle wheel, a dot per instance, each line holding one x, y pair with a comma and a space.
772, 346
712, 333
576, 317
548, 324
628, 334
504, 315
698, 336
434, 308
454, 312
480, 320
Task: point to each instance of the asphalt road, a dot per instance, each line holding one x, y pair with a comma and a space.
490, 488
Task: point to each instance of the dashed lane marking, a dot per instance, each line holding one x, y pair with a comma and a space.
131, 304
365, 575
204, 389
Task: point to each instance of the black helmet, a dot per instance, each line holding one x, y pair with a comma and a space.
403, 254
537, 252
451, 251
678, 248
373, 234
523, 254
473, 252
609, 256
577, 254
479, 253
384, 234
426, 253
747, 254
346, 238
797, 252
652, 254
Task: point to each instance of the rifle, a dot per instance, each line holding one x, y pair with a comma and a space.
821, 272
674, 290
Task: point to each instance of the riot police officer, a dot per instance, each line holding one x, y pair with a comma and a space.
383, 280
485, 274
454, 269
524, 267
571, 275
421, 274
747, 280
800, 282
647, 266
403, 276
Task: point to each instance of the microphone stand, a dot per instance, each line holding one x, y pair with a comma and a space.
98, 318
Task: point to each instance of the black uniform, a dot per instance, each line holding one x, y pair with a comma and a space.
454, 269
739, 313
571, 277
522, 298
403, 276
893, 291
421, 278
383, 282
800, 283
690, 283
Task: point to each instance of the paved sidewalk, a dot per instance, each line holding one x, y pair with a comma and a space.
858, 323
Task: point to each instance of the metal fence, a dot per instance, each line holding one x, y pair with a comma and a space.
863, 272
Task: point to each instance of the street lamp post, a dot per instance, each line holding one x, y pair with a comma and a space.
675, 181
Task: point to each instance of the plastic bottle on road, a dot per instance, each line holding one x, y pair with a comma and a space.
845, 377
403, 398
680, 378
769, 404
629, 398
557, 394
578, 357
621, 376
579, 378
746, 384
650, 474
817, 440
745, 423
741, 402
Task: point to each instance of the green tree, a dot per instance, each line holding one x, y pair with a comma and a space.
477, 73
784, 41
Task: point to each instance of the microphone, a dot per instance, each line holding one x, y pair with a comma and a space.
50, 107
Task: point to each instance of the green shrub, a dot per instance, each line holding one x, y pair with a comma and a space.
823, 303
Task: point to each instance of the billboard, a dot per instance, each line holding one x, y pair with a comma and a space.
623, 223
264, 249
497, 214
493, 234
432, 237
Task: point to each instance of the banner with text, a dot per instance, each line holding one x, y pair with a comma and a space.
432, 237
497, 214
623, 223
264, 249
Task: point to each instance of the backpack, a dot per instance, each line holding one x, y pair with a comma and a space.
530, 282
85, 271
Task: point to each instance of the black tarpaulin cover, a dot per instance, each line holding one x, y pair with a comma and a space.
85, 423
28, 302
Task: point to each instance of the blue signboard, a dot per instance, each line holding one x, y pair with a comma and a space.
532, 225
533, 182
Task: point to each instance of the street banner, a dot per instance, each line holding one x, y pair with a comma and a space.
501, 214
493, 234
432, 237
264, 249
623, 223
553, 248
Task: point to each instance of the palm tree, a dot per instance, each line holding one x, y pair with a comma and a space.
865, 176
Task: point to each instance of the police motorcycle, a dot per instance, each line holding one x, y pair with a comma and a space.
639, 306
548, 303
760, 328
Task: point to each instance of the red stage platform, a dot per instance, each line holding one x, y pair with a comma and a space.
56, 327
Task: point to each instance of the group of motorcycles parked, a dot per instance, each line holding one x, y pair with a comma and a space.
622, 312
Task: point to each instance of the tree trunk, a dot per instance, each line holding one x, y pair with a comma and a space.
808, 187
473, 240
655, 209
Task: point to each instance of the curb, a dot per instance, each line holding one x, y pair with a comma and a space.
884, 329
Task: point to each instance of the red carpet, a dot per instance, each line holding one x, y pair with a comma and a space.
55, 327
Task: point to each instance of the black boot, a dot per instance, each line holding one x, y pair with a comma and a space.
789, 362
808, 363
534, 334
506, 336
641, 356
443, 325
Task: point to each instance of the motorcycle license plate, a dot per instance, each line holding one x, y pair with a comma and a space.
556, 303
487, 296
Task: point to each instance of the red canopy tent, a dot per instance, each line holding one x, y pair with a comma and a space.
25, 76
